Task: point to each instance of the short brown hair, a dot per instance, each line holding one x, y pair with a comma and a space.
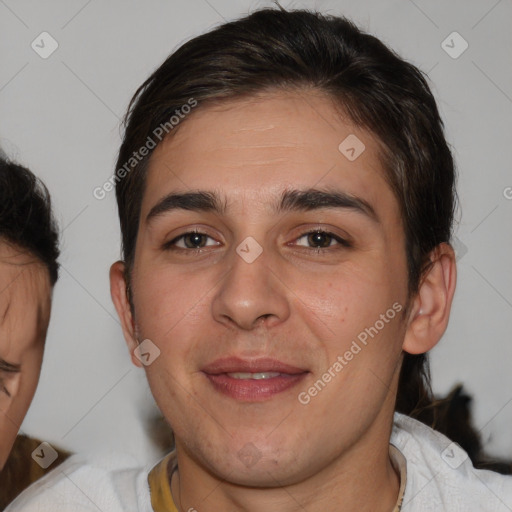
278, 49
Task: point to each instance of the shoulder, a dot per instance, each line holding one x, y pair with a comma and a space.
440, 475
110, 482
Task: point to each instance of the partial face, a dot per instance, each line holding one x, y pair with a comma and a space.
275, 297
25, 299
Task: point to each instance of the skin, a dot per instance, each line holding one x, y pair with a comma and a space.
293, 303
25, 303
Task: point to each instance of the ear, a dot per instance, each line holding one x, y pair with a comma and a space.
118, 291
430, 309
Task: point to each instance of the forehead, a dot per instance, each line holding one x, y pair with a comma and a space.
256, 147
25, 298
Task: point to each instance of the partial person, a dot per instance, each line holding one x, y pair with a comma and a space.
28, 272
29, 250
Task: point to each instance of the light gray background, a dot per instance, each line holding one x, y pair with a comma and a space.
60, 116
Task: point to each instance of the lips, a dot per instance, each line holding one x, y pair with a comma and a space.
252, 380
262, 365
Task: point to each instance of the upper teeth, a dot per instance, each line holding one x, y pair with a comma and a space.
256, 376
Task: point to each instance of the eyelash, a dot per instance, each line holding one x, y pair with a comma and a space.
342, 243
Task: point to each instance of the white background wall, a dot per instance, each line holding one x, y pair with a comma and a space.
60, 116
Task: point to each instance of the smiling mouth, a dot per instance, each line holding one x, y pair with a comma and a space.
252, 380
255, 376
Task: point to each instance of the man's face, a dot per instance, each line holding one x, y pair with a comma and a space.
253, 303
25, 302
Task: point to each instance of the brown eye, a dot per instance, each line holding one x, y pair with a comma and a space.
191, 240
321, 240
194, 240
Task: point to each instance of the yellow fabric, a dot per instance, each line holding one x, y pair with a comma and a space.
160, 482
160, 485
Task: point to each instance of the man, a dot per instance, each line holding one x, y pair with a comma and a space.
286, 197
28, 272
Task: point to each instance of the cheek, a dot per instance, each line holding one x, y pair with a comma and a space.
172, 313
164, 298
355, 316
8, 434
346, 300
29, 379
13, 409
174, 391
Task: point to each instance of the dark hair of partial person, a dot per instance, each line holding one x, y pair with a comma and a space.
302, 51
26, 218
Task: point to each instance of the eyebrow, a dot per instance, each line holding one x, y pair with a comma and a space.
290, 201
9, 367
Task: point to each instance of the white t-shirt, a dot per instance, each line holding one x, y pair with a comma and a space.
438, 477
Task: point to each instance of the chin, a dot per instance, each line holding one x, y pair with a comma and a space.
252, 464
266, 473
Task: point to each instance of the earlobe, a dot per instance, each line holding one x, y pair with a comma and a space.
430, 309
118, 292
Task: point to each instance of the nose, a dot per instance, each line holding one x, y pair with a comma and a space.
251, 294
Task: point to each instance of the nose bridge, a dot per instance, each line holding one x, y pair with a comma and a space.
250, 291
